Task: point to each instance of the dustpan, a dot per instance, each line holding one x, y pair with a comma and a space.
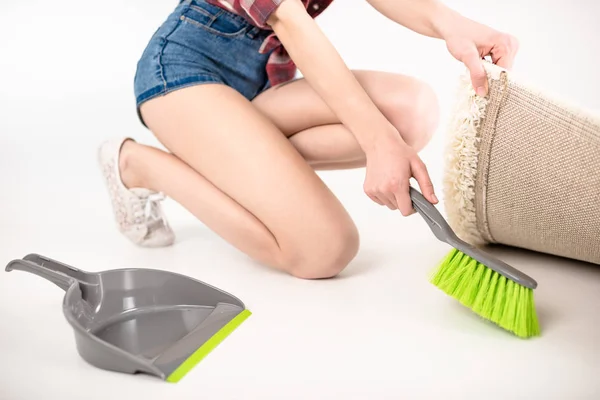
140, 320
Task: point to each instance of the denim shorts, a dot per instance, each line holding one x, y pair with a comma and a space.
200, 43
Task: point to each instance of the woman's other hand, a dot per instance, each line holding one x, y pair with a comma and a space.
471, 44
468, 41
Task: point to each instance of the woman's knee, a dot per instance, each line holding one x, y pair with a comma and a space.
322, 259
415, 112
426, 114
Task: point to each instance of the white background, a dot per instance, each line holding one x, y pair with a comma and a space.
380, 331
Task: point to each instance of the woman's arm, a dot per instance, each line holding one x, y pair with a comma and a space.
327, 73
390, 161
427, 17
467, 40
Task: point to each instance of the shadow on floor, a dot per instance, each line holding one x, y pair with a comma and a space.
534, 262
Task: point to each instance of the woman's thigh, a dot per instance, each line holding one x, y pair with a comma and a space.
409, 104
222, 136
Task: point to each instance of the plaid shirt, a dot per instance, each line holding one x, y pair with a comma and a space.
280, 67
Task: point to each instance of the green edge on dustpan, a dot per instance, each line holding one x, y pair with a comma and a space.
207, 347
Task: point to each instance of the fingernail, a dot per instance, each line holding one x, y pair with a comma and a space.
481, 91
435, 198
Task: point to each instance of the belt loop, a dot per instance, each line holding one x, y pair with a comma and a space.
253, 32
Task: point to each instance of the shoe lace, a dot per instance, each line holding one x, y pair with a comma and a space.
147, 210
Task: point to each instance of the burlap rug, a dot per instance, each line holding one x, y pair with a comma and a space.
523, 170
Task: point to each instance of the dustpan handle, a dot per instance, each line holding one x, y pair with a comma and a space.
48, 263
59, 278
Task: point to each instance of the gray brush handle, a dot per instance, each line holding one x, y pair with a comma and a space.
444, 233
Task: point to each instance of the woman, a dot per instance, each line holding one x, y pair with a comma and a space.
215, 86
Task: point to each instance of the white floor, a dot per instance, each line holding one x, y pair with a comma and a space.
380, 331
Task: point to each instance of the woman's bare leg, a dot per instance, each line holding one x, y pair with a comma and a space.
244, 179
297, 110
195, 126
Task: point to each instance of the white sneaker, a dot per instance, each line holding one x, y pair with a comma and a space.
137, 211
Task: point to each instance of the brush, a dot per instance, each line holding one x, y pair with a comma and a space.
491, 288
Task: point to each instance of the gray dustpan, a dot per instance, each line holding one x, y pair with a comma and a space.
140, 320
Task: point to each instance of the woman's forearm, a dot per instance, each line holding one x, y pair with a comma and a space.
329, 76
427, 17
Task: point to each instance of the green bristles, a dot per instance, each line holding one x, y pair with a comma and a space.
487, 293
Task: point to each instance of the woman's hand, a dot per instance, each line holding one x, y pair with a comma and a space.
471, 42
468, 41
391, 164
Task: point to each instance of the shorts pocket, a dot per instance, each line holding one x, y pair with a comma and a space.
214, 20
